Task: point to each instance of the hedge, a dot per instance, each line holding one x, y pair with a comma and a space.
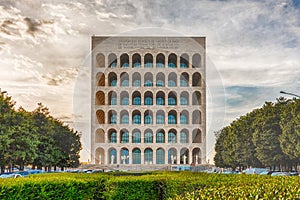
158, 185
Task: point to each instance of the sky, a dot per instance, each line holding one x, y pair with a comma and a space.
252, 51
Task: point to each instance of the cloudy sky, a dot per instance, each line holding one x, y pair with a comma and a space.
253, 50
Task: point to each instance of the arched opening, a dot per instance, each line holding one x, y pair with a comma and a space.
136, 156
160, 156
184, 98
184, 80
136, 136
148, 61
136, 60
112, 117
148, 80
160, 117
184, 156
100, 156
100, 98
148, 117
172, 136
112, 98
112, 60
172, 80
148, 156
148, 98
160, 80
160, 61
196, 156
184, 61
196, 80
172, 61
184, 136
100, 136
136, 117
124, 156
196, 98
124, 98
172, 156
160, 136
148, 136
112, 136
124, 60
172, 117
196, 136
100, 79
160, 98
184, 117
112, 156
124, 117
112, 77
136, 98
196, 61
124, 136
100, 60
196, 117
124, 79
136, 80
172, 98
100, 116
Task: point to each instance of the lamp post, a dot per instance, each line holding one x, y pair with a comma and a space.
288, 93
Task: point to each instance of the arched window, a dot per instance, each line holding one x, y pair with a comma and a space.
148, 117
172, 61
112, 98
196, 155
172, 136
124, 136
124, 79
136, 60
100, 60
172, 156
196, 136
148, 98
112, 77
160, 98
172, 117
112, 134
160, 61
136, 98
124, 98
124, 60
148, 80
160, 136
196, 98
112, 60
124, 117
148, 156
184, 136
136, 80
172, 98
100, 79
160, 117
148, 136
160, 80
184, 117
184, 98
136, 156
136, 136
184, 61
113, 156
136, 117
99, 136
184, 80
172, 82
148, 61
184, 156
196, 80
124, 156
160, 156
196, 61
196, 117
112, 117
100, 98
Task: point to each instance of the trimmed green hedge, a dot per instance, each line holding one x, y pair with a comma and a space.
159, 185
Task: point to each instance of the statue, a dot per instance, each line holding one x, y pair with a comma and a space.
100, 159
184, 159
112, 159
196, 160
172, 159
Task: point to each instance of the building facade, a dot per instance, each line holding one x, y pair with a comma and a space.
148, 101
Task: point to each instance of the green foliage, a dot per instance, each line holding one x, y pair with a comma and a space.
166, 185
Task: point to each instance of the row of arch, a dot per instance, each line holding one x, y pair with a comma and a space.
147, 98
148, 61
148, 156
148, 117
137, 136
148, 80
